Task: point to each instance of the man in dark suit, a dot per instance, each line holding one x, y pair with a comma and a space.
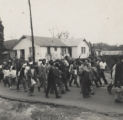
119, 74
52, 80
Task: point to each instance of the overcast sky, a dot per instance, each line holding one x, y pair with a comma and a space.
95, 20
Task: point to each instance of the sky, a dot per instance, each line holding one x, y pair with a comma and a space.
95, 20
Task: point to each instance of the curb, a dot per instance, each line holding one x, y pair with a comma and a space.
112, 114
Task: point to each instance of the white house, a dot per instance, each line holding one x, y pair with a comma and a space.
45, 47
80, 48
49, 48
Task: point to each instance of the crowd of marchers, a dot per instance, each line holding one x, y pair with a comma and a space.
54, 76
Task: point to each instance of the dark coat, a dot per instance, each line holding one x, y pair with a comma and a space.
119, 74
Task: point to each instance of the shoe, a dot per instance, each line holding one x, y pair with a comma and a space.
62, 92
109, 89
25, 90
47, 96
38, 89
117, 101
92, 93
58, 96
30, 94
68, 90
18, 89
106, 83
77, 86
86, 96
70, 85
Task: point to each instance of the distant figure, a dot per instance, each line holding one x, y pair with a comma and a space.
119, 82
1, 73
119, 74
52, 81
102, 66
112, 84
85, 81
42, 75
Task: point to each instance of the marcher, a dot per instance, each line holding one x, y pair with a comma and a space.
119, 74
51, 80
85, 81
22, 78
65, 73
102, 66
73, 76
58, 78
112, 83
29, 79
42, 75
1, 73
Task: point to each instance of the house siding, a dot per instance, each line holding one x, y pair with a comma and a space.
40, 52
23, 44
76, 51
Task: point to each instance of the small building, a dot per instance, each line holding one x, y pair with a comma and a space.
45, 47
8, 52
80, 48
112, 52
98, 52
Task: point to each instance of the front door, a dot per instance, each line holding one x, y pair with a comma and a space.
70, 51
22, 53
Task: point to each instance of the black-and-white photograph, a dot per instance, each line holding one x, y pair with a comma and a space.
61, 59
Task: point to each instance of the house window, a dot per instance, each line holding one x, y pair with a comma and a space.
22, 53
63, 51
55, 48
15, 53
48, 51
70, 51
83, 50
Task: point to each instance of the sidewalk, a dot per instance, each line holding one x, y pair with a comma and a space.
101, 102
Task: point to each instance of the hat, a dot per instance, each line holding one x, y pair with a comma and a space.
51, 62
57, 64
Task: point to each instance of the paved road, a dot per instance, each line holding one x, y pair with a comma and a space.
101, 102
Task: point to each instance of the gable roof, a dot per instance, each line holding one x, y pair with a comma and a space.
74, 42
45, 41
9, 44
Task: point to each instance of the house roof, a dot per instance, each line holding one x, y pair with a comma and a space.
9, 44
71, 42
46, 41
74, 42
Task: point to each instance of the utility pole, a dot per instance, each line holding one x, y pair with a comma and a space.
32, 35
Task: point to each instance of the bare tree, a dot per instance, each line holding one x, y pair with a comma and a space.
63, 35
